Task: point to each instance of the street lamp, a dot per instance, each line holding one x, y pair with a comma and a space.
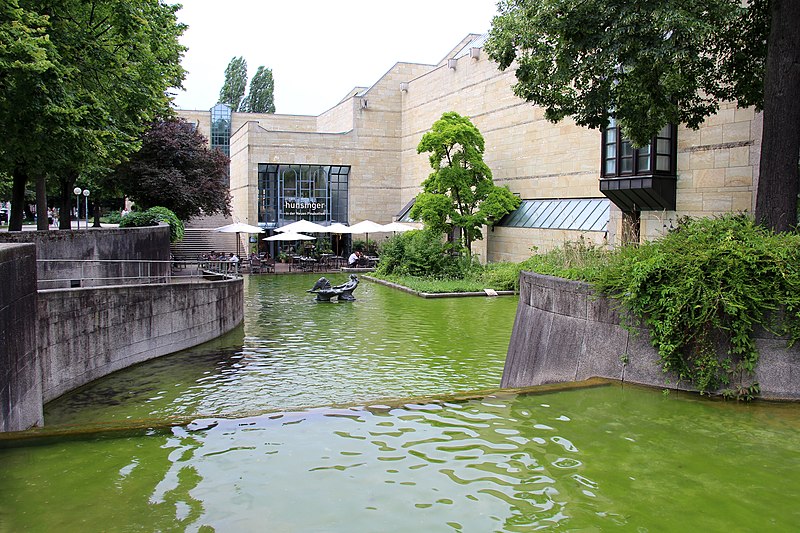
86, 206
77, 191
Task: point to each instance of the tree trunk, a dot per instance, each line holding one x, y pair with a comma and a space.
65, 211
42, 223
776, 196
96, 212
17, 199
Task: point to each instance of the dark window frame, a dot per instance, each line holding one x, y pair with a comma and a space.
618, 150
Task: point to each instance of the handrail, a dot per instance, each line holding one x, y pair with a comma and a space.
74, 273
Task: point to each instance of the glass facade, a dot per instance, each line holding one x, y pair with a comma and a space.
621, 159
289, 192
221, 128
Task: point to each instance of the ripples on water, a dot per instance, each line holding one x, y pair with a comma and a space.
594, 459
293, 352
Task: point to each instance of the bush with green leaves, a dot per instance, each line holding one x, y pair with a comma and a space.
152, 217
420, 253
708, 280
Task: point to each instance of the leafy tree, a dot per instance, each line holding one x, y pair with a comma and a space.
235, 84
260, 97
107, 67
667, 61
460, 192
175, 169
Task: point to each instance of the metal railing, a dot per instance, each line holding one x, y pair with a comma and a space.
75, 273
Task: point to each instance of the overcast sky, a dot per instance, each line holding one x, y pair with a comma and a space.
318, 50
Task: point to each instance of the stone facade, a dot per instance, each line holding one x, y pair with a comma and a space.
376, 131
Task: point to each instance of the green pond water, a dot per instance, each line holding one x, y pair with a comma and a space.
252, 455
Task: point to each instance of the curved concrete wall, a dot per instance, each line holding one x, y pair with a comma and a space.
85, 334
563, 332
20, 374
115, 244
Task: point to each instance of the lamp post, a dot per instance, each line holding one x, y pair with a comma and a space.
86, 206
77, 191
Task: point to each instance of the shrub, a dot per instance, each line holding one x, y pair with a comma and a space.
708, 279
420, 253
152, 217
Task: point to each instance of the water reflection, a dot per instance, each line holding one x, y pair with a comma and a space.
602, 458
593, 459
293, 352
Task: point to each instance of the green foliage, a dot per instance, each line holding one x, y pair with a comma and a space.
419, 253
260, 98
436, 286
367, 247
176, 228
581, 260
232, 91
73, 100
459, 192
175, 168
710, 281
650, 63
498, 276
153, 217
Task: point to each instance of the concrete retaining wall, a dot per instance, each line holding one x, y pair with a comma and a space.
20, 374
85, 334
99, 244
562, 332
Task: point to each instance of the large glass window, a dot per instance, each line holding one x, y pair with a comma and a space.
313, 192
621, 159
221, 128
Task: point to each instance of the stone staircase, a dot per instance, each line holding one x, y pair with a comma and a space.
200, 238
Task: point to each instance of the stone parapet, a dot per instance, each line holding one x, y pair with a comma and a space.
20, 374
564, 332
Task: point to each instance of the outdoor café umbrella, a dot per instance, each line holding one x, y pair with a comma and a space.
397, 226
303, 226
289, 236
338, 229
237, 228
366, 227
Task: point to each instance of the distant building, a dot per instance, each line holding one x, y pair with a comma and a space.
358, 160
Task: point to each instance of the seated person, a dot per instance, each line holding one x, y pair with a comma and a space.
353, 259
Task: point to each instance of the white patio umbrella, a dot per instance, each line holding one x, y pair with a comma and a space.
237, 228
303, 226
366, 227
338, 227
397, 226
289, 236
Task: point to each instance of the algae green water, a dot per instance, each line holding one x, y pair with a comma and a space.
593, 459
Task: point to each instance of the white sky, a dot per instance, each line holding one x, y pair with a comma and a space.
318, 50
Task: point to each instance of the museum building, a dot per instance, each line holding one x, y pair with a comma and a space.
358, 160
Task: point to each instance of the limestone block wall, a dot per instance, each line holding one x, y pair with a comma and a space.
20, 373
562, 332
84, 334
717, 169
338, 119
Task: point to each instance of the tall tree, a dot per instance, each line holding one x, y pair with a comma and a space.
459, 193
111, 63
654, 62
260, 98
175, 169
233, 89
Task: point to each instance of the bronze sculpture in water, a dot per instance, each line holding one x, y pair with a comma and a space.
322, 288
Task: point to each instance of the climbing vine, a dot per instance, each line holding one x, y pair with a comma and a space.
702, 289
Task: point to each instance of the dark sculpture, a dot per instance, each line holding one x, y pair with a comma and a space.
325, 292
